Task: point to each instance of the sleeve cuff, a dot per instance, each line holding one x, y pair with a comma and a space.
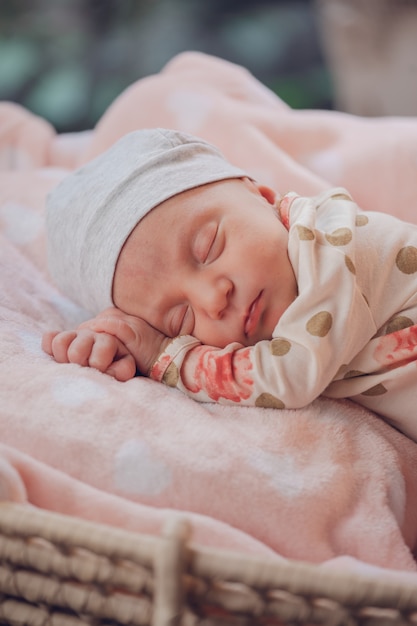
175, 347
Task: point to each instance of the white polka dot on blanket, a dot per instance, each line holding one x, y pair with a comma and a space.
291, 479
73, 391
190, 109
139, 471
20, 223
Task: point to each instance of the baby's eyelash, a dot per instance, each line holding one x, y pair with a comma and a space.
182, 321
204, 242
176, 321
211, 244
187, 325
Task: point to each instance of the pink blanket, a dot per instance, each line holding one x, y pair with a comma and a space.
317, 484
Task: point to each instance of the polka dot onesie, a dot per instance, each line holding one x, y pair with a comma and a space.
350, 333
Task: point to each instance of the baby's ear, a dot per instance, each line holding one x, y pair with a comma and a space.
269, 194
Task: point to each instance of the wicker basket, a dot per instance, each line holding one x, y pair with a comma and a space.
60, 571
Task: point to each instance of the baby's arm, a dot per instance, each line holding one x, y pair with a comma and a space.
260, 375
287, 371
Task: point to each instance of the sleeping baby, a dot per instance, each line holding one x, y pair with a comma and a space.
206, 280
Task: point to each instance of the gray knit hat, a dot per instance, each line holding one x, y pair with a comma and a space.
91, 213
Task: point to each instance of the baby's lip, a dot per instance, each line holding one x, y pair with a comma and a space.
252, 316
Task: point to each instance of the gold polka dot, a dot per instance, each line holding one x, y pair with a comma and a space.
361, 220
280, 347
339, 237
268, 401
377, 390
304, 233
349, 264
406, 260
171, 375
353, 374
320, 324
398, 323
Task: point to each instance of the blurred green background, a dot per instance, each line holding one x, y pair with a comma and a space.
66, 60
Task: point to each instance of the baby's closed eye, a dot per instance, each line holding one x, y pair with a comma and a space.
207, 244
181, 321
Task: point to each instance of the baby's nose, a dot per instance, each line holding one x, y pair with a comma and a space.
215, 297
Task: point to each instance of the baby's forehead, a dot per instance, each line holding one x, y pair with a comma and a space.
177, 215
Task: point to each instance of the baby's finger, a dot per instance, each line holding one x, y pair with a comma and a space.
118, 328
61, 344
109, 313
47, 339
80, 348
104, 351
123, 369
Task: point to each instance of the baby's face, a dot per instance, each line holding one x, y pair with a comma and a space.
211, 262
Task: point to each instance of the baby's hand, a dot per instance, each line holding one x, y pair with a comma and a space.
139, 338
89, 348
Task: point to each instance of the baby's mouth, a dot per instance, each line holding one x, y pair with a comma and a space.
252, 317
